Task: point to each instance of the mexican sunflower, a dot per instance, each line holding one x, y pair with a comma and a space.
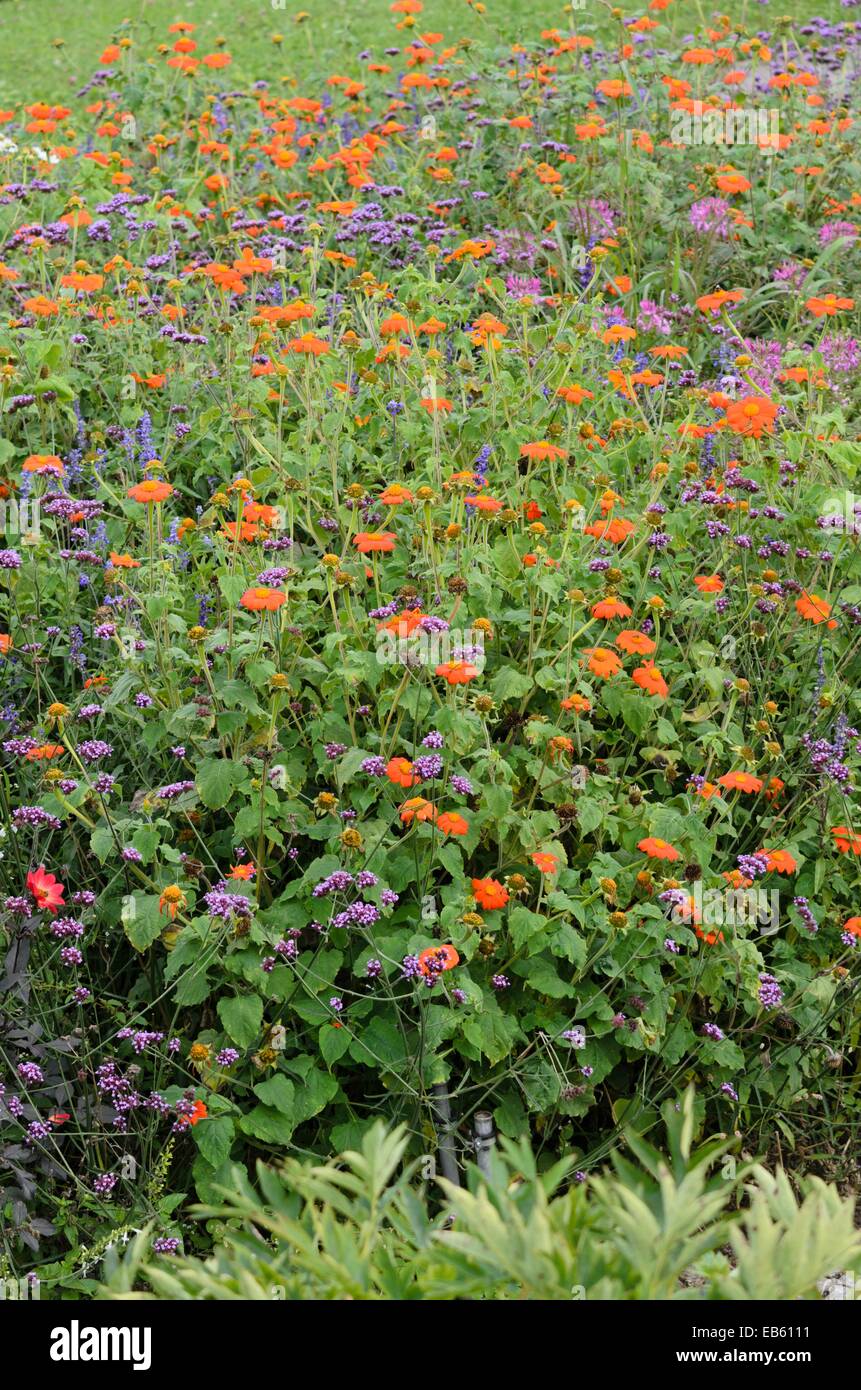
610, 608
417, 808
658, 849
827, 304
616, 530
649, 678
545, 863
780, 861
368, 542
814, 609
632, 640
740, 782
153, 490
46, 890
709, 583
262, 599
457, 672
400, 771
452, 823
847, 841
602, 662
489, 893
542, 450
434, 959
752, 415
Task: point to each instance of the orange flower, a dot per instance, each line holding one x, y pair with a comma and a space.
542, 450
45, 752
631, 640
417, 808
43, 463
658, 849
616, 530
242, 871
847, 841
575, 395
199, 1112
489, 893
780, 861
457, 672
262, 599
708, 303
740, 782
434, 959
709, 583
614, 88
602, 662
435, 404
400, 771
5, 643
153, 490
123, 562
852, 925
610, 608
394, 495
41, 307
709, 937
171, 900
649, 678
827, 304
452, 823
752, 415
814, 608
367, 542
545, 863
485, 504
578, 703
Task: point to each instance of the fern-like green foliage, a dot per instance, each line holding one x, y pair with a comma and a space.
654, 1226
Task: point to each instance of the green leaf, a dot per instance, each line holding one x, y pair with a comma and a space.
267, 1124
214, 1137
142, 921
217, 780
241, 1017
277, 1092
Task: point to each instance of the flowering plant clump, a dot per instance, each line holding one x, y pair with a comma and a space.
431, 604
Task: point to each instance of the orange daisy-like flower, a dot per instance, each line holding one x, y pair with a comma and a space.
616, 530
151, 491
780, 861
542, 450
709, 303
434, 959
452, 823
602, 662
45, 752
634, 641
658, 849
435, 405
485, 504
242, 872
262, 599
852, 925
489, 893
827, 305
575, 395
709, 583
578, 703
814, 609
545, 863
417, 808
610, 608
740, 782
43, 463
394, 495
709, 937
457, 672
400, 771
847, 841
752, 415
649, 678
123, 562
368, 542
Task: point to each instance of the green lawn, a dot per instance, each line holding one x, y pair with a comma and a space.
49, 47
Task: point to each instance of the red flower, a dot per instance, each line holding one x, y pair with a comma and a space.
46, 890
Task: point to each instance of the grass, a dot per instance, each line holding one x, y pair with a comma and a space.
50, 47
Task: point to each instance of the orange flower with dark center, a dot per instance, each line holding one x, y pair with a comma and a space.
262, 599
489, 893
752, 415
658, 849
151, 491
46, 890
